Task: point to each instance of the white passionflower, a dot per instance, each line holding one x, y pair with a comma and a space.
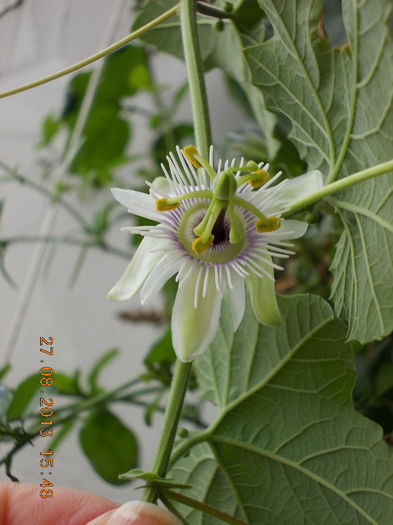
216, 230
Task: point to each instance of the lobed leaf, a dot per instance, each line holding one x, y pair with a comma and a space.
286, 440
339, 102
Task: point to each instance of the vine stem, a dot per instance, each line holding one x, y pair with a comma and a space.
196, 82
202, 138
76, 409
86, 61
171, 420
13, 175
207, 509
339, 185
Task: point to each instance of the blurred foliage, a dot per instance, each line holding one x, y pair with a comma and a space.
125, 74
80, 400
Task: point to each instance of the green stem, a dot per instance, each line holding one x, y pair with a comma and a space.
340, 185
171, 420
202, 138
85, 62
77, 408
51, 239
207, 509
12, 175
195, 76
215, 12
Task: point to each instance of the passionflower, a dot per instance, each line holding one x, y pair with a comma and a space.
218, 229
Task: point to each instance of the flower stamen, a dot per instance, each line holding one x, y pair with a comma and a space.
171, 203
198, 161
264, 224
165, 204
202, 243
269, 224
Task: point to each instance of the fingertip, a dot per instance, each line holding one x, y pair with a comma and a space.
137, 513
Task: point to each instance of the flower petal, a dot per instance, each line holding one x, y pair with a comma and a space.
137, 203
301, 186
163, 271
289, 229
237, 298
263, 296
193, 329
139, 268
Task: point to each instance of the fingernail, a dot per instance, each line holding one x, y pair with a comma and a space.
138, 513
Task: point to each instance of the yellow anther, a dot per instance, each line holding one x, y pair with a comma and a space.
164, 205
190, 152
270, 224
259, 178
199, 245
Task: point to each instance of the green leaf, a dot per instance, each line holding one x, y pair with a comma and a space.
102, 362
159, 361
208, 484
286, 440
248, 15
5, 399
50, 127
161, 351
339, 101
4, 370
180, 134
109, 445
23, 396
137, 473
66, 384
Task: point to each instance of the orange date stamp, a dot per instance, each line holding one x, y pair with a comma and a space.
46, 413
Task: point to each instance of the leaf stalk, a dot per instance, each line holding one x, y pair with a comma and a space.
339, 185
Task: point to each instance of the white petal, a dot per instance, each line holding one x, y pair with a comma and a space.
139, 268
193, 329
289, 229
301, 186
165, 269
237, 300
137, 203
263, 297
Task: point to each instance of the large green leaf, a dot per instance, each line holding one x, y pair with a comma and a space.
288, 445
339, 101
